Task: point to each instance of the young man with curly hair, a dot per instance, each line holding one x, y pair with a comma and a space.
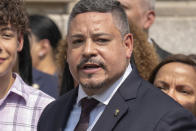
20, 104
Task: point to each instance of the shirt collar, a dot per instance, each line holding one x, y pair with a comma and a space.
17, 88
106, 96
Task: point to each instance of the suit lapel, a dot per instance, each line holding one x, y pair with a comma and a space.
112, 113
118, 107
65, 108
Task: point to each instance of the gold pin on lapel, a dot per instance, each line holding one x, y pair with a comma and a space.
117, 111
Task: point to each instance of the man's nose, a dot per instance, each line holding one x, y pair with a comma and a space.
89, 48
172, 93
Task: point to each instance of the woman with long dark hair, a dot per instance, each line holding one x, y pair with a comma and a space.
44, 40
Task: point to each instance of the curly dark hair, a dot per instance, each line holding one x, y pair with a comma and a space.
12, 12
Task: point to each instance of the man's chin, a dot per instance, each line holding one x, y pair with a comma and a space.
93, 84
93, 88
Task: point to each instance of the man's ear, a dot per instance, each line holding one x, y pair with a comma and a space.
150, 18
128, 42
20, 42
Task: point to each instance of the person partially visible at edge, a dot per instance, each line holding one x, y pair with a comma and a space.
111, 96
176, 77
142, 14
45, 37
145, 56
20, 105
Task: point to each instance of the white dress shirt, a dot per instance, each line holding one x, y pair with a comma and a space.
103, 98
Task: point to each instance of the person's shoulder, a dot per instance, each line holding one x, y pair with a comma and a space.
181, 116
63, 99
149, 92
36, 96
58, 106
39, 74
162, 110
155, 100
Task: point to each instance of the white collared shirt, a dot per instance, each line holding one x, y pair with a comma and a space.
103, 98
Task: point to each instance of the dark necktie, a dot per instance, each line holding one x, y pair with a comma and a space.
87, 106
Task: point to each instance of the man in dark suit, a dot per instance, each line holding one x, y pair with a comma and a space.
111, 95
141, 13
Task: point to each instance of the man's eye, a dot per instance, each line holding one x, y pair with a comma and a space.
185, 92
102, 40
162, 87
6, 36
77, 41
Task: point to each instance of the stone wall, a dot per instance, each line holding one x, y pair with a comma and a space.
57, 10
175, 26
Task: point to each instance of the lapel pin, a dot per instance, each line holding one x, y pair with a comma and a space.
117, 111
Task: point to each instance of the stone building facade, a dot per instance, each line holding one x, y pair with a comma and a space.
175, 25
174, 28
57, 10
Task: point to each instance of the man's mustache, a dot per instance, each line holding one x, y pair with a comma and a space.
91, 61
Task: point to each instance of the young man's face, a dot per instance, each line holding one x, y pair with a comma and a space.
10, 44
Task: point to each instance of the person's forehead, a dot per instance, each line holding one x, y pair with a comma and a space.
131, 2
94, 24
178, 67
91, 19
94, 15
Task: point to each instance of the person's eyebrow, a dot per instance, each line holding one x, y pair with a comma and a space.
6, 29
76, 36
101, 34
94, 35
163, 82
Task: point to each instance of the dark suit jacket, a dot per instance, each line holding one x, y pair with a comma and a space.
141, 106
47, 83
161, 52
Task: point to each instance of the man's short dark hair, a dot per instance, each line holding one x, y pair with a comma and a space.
103, 6
12, 12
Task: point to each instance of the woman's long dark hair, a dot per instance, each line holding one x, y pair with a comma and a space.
44, 28
67, 80
24, 61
